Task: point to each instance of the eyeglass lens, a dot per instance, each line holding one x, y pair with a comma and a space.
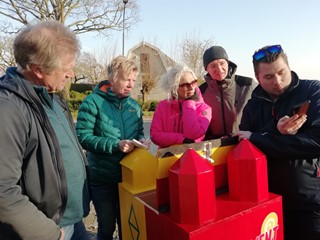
184, 85
270, 50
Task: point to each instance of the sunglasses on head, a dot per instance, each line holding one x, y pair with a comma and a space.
185, 85
266, 52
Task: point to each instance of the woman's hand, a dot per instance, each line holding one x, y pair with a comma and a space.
146, 142
126, 146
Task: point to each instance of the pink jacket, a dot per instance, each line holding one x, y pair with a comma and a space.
174, 120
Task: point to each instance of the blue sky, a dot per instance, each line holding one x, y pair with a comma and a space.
240, 27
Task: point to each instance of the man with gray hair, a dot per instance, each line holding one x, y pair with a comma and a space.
43, 181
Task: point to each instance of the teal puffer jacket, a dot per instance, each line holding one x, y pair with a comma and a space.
103, 121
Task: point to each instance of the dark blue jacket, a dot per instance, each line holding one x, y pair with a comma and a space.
293, 160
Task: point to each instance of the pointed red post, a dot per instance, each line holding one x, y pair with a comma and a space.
247, 173
192, 189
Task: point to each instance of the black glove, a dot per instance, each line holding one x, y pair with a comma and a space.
188, 140
194, 97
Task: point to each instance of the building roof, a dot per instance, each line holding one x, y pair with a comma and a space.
165, 59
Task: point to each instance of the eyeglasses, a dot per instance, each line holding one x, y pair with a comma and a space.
190, 84
266, 52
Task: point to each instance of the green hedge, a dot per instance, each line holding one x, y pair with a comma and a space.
76, 99
148, 106
82, 87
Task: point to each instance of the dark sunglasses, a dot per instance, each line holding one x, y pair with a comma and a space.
267, 51
185, 85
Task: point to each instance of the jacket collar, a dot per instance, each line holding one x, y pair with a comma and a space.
228, 81
103, 90
15, 82
259, 92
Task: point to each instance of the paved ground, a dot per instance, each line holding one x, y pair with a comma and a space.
91, 225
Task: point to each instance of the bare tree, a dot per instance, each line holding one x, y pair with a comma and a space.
106, 53
89, 69
80, 15
91, 66
147, 77
6, 53
190, 49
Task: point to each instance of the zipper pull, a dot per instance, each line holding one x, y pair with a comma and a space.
272, 111
317, 170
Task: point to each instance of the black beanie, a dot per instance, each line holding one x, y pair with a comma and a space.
214, 53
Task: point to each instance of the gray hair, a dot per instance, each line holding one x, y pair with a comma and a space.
170, 80
44, 44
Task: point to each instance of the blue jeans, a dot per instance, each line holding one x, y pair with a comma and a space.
68, 232
76, 232
105, 198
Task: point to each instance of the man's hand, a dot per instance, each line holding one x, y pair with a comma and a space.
243, 135
290, 125
61, 234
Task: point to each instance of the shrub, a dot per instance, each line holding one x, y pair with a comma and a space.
149, 105
74, 95
153, 106
76, 99
81, 87
74, 105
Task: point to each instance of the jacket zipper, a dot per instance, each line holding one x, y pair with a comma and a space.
222, 109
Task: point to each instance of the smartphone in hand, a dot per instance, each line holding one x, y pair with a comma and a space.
302, 108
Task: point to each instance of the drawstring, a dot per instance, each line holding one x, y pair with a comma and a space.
180, 115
